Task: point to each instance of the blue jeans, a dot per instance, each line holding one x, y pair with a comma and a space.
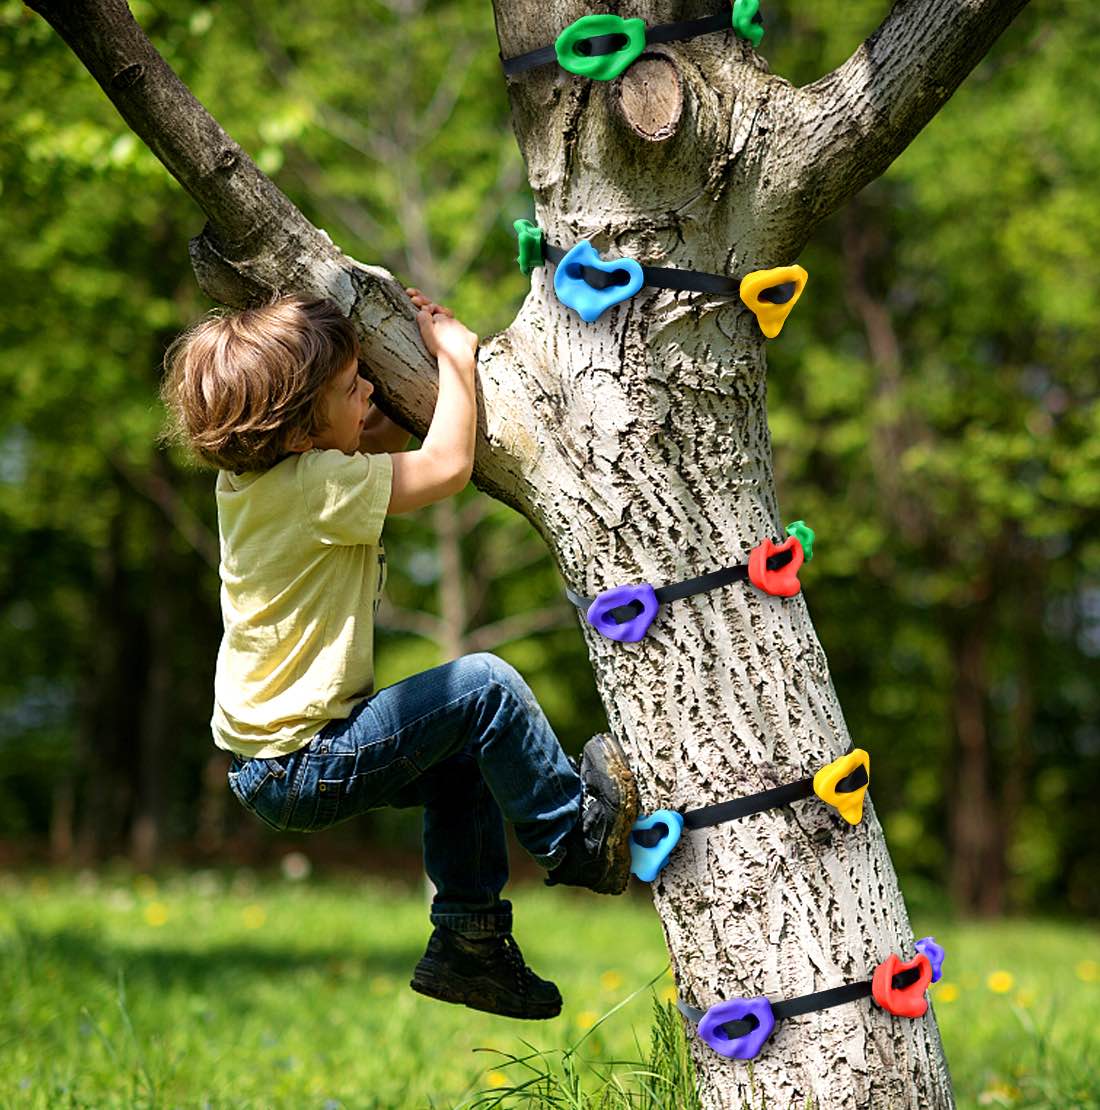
469, 743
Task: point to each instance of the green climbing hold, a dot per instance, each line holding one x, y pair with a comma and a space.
744, 12
805, 536
600, 67
530, 245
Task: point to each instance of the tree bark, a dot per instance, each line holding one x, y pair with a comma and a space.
638, 447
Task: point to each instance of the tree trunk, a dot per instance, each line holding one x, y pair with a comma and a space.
152, 756
638, 446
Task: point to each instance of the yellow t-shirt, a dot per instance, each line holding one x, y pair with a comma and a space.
302, 570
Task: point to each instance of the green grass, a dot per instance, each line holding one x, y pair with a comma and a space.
226, 990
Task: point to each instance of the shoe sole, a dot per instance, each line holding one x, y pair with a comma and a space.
617, 878
470, 993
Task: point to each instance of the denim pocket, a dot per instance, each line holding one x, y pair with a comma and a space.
316, 805
260, 786
328, 789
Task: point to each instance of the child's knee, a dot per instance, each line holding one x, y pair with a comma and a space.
501, 673
491, 668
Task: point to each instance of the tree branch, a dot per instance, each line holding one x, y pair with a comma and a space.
257, 242
851, 124
240, 202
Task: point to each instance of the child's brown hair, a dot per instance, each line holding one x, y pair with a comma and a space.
240, 386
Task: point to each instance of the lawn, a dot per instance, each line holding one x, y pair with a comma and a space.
214, 989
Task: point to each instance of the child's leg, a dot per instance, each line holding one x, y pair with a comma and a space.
465, 851
477, 706
480, 708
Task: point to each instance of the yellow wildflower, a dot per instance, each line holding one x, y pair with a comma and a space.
254, 916
1000, 982
1088, 971
156, 914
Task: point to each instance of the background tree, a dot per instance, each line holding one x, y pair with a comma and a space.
690, 796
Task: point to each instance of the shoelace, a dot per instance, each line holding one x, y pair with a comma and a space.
514, 958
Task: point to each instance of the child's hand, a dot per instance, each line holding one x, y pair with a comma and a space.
443, 335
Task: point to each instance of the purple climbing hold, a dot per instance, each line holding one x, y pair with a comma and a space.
634, 628
935, 953
753, 1022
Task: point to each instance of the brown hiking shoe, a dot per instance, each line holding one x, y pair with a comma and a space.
597, 848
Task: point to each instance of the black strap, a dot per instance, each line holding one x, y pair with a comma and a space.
821, 1000
609, 44
689, 586
656, 276
753, 803
804, 1004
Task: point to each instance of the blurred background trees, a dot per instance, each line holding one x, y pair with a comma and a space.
934, 409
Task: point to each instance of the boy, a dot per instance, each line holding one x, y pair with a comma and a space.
308, 472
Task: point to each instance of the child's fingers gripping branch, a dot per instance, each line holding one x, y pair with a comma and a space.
446, 337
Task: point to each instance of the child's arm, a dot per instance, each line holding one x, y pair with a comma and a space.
445, 460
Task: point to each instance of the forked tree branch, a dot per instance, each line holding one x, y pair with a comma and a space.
849, 126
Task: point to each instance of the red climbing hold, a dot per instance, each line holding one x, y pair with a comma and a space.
772, 570
897, 990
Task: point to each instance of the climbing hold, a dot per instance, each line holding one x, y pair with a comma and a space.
927, 946
771, 294
651, 842
530, 245
805, 536
602, 617
781, 580
573, 290
738, 1027
844, 782
747, 22
898, 987
600, 67
585, 282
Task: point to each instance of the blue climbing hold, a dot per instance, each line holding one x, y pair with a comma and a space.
651, 842
587, 301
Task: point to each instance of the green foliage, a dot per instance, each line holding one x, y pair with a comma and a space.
934, 410
345, 108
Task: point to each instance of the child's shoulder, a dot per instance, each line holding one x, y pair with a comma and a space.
331, 466
283, 472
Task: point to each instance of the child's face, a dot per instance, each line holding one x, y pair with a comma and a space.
347, 398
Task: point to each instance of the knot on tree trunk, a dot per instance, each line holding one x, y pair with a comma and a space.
128, 76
